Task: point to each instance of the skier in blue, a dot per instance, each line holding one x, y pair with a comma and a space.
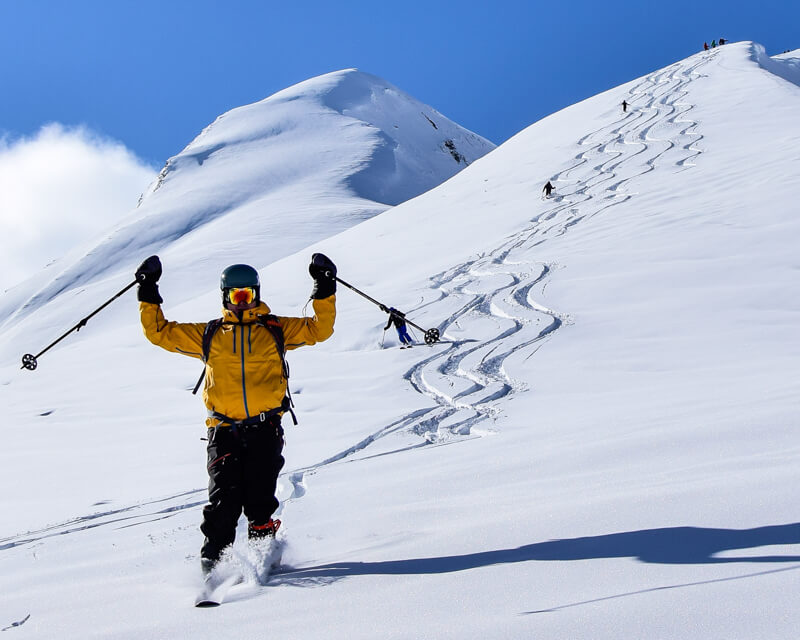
397, 318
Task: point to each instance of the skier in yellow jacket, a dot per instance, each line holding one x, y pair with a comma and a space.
245, 392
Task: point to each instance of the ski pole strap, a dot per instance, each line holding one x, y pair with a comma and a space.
199, 382
288, 404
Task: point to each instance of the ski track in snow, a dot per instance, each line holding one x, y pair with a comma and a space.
468, 380
130, 516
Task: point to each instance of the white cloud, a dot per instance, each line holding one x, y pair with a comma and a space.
58, 189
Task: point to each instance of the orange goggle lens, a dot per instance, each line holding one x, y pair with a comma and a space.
244, 295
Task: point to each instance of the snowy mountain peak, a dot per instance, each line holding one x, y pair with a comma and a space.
394, 147
285, 172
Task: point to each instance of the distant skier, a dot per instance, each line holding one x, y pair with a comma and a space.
624, 106
548, 189
245, 392
398, 319
713, 44
705, 46
722, 41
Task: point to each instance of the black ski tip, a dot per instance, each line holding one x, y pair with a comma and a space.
206, 604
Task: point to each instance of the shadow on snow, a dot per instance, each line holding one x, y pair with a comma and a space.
673, 545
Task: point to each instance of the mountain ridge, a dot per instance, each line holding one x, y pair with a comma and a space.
236, 176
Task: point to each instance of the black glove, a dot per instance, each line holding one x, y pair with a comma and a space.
324, 273
147, 276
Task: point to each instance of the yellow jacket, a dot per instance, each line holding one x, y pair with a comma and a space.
244, 375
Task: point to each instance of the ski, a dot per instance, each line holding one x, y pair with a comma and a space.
216, 587
433, 344
252, 565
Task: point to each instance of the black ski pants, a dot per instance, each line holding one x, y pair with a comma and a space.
243, 468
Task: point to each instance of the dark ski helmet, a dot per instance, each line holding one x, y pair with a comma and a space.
239, 276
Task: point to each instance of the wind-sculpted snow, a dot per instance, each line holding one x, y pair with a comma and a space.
785, 65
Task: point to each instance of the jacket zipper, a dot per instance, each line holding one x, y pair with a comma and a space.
244, 387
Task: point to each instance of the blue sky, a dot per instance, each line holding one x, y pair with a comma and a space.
153, 74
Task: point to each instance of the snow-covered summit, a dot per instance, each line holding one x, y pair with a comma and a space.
267, 179
345, 129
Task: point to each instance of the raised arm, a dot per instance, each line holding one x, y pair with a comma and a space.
305, 331
185, 338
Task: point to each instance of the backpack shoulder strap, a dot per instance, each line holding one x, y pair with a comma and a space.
208, 333
273, 324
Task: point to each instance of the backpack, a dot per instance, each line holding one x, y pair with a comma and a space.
272, 324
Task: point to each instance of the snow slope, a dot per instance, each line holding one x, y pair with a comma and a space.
785, 65
270, 178
605, 449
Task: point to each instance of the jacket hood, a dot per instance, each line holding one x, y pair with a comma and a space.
250, 315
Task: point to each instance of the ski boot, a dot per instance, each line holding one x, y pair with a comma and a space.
259, 531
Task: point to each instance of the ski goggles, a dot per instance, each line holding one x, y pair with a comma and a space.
241, 295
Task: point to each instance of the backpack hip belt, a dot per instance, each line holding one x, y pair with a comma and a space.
261, 418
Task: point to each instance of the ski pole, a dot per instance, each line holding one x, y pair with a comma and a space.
431, 335
29, 361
